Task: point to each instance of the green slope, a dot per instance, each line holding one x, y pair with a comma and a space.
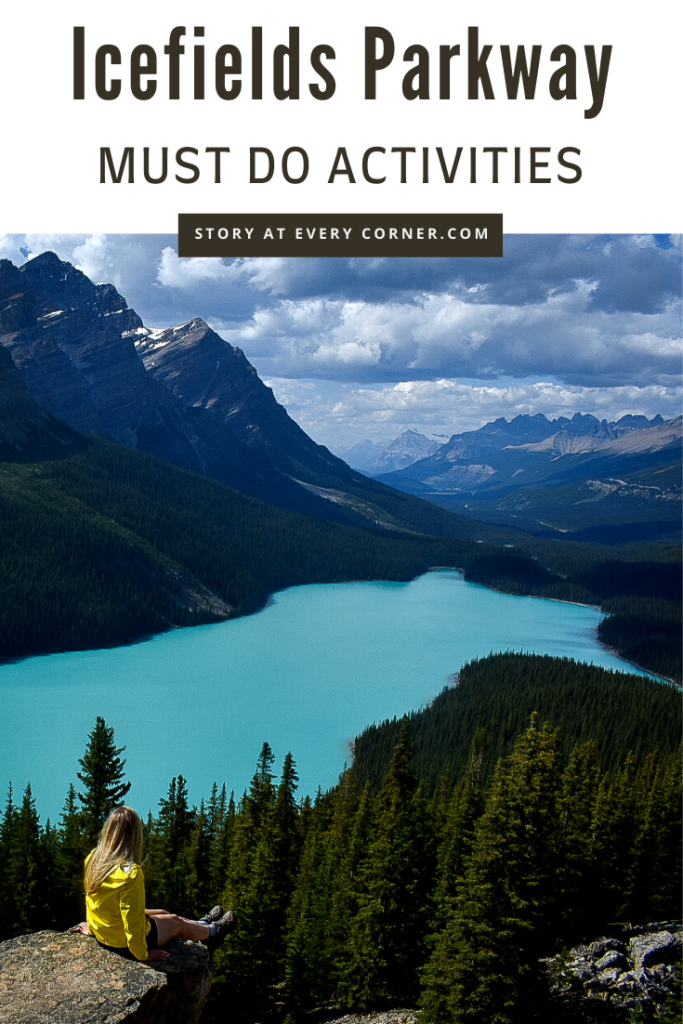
619, 712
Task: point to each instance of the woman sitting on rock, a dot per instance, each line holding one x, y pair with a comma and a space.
115, 898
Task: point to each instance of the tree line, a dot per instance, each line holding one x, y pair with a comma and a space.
444, 895
617, 710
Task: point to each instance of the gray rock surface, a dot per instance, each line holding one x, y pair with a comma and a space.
66, 978
397, 1016
24, 427
611, 977
611, 960
659, 948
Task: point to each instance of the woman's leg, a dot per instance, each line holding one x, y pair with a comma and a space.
170, 926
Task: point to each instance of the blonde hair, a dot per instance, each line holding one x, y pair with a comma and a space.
120, 843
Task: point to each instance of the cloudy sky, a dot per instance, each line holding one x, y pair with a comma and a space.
368, 348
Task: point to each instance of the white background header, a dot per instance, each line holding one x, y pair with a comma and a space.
629, 153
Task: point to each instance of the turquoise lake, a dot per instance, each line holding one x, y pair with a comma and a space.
307, 674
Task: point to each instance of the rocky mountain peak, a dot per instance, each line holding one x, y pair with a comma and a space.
62, 286
10, 279
180, 393
389, 456
201, 369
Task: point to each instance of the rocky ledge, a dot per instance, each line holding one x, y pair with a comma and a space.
66, 978
616, 975
379, 1017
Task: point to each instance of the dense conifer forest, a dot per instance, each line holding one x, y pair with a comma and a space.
617, 711
400, 890
110, 545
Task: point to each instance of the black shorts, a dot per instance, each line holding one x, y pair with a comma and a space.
152, 942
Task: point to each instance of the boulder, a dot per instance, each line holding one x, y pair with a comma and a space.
611, 960
601, 946
67, 978
613, 977
658, 948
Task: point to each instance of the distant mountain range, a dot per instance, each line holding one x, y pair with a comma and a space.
377, 457
559, 475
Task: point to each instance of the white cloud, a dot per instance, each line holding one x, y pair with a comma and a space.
173, 272
19, 248
444, 335
94, 257
562, 323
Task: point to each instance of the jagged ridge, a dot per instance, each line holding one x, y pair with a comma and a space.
182, 394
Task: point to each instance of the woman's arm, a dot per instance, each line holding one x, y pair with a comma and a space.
132, 906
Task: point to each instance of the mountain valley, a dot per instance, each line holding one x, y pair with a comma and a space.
148, 479
582, 478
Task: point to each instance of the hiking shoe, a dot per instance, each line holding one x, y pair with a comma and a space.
214, 914
222, 926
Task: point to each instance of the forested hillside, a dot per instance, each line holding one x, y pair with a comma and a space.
618, 712
108, 545
445, 897
638, 584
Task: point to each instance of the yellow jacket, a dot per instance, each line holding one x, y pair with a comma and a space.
116, 910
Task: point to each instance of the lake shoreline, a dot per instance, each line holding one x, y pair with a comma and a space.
326, 661
270, 598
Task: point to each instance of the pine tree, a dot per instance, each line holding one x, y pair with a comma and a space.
8, 827
386, 945
615, 824
167, 876
51, 896
102, 776
260, 798
322, 904
248, 962
306, 969
346, 847
26, 870
457, 830
485, 965
199, 894
577, 878
72, 849
652, 890
222, 819
285, 833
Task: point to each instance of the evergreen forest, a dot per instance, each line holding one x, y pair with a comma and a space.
615, 710
533, 804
